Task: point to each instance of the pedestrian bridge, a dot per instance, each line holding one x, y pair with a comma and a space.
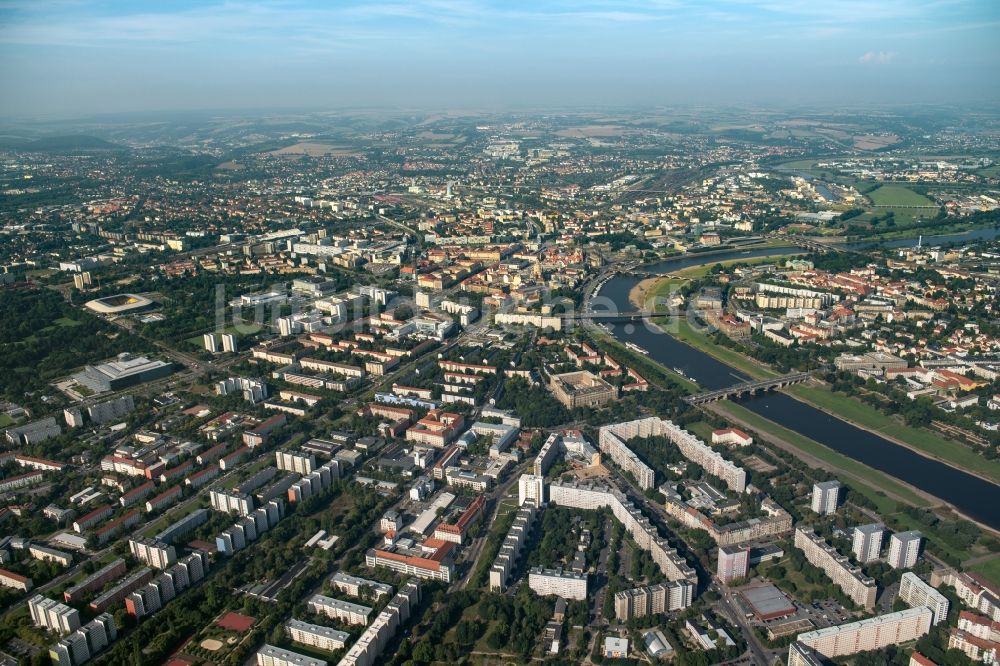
747, 388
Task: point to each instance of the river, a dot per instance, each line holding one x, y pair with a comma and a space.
973, 496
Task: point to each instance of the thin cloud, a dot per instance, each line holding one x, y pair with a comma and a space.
877, 57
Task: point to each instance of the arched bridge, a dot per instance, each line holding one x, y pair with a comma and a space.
747, 388
617, 317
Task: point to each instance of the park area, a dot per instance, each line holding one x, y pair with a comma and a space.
898, 195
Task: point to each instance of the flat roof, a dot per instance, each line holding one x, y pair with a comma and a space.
768, 602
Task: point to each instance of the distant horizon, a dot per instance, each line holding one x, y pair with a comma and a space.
67, 58
901, 108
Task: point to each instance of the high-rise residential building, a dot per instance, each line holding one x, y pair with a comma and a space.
511, 547
914, 592
653, 600
597, 496
53, 615
851, 579
275, 656
904, 548
565, 584
871, 634
734, 562
229, 343
156, 554
611, 443
211, 342
295, 461
867, 543
531, 488
315, 635
342, 611
825, 497
690, 447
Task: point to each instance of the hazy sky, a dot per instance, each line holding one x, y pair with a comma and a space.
64, 57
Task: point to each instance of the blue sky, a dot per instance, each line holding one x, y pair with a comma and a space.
60, 57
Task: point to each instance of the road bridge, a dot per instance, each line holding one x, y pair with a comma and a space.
747, 388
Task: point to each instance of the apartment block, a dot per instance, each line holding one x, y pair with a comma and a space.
871, 634
904, 548
156, 554
596, 496
855, 584
610, 440
734, 562
914, 592
275, 656
691, 447
315, 635
510, 549
653, 599
53, 615
825, 497
565, 584
867, 543
298, 462
95, 581
368, 647
342, 611
353, 585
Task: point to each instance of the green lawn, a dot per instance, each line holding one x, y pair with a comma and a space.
66, 322
898, 195
990, 569
923, 440
5, 420
702, 429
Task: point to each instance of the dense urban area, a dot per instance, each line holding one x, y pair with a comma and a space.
568, 388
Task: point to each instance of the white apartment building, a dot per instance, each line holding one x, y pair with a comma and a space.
904, 548
530, 488
156, 554
53, 615
565, 584
690, 447
825, 497
353, 585
231, 502
593, 497
871, 634
343, 611
867, 543
914, 592
855, 584
275, 656
294, 461
510, 549
316, 635
653, 600
611, 441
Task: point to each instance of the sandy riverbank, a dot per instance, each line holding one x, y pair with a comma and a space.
640, 292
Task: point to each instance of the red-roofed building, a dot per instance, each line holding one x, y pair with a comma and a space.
258, 435
732, 436
455, 532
